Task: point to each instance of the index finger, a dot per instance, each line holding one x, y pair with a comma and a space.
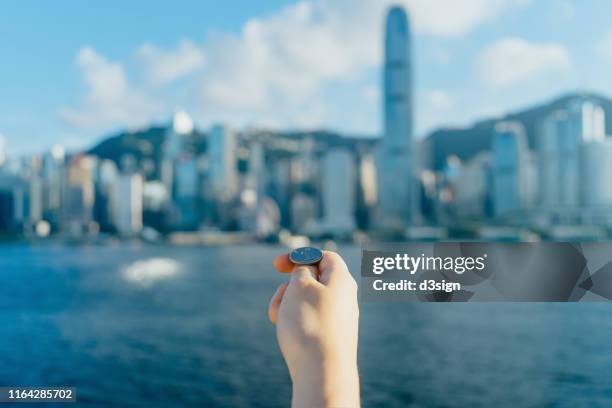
333, 269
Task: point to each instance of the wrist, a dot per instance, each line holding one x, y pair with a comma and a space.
328, 383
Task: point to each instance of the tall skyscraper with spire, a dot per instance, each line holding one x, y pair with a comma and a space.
398, 205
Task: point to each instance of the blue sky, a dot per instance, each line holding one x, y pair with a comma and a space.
71, 73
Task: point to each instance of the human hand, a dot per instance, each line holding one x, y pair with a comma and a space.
317, 318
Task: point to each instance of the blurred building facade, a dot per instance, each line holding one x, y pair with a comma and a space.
127, 198
511, 167
397, 201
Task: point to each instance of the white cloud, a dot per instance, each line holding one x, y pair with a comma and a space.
441, 56
567, 10
511, 60
165, 66
109, 99
278, 67
439, 99
604, 47
280, 63
371, 93
452, 17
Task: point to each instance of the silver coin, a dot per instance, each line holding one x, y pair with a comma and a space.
306, 256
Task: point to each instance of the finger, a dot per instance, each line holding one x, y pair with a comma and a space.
304, 275
282, 263
333, 269
275, 302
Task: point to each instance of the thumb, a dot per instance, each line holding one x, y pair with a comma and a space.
275, 302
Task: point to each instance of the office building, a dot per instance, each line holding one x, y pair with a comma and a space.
368, 180
35, 200
281, 188
174, 148
587, 119
398, 200
510, 168
560, 139
187, 193
339, 184
127, 204
222, 162
79, 196
596, 175
304, 213
52, 178
107, 176
256, 178
471, 188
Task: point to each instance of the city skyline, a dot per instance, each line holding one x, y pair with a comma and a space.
320, 184
452, 50
530, 173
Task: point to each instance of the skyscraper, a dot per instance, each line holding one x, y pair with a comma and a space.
127, 204
223, 175
78, 195
561, 136
222, 182
510, 168
187, 190
471, 187
398, 203
52, 173
174, 148
596, 173
339, 183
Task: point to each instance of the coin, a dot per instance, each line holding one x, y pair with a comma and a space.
306, 256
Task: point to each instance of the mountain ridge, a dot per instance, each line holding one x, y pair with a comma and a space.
464, 142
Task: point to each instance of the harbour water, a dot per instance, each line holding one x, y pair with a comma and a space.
142, 326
